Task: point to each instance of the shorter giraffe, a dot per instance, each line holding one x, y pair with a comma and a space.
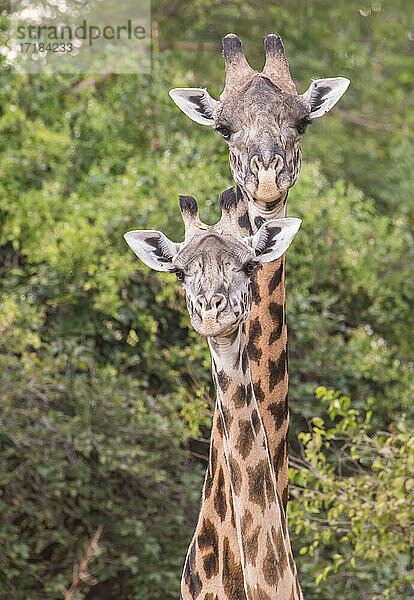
215, 265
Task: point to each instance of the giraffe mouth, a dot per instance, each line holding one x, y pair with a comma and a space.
222, 326
270, 210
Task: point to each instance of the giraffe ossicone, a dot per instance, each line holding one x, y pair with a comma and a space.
215, 269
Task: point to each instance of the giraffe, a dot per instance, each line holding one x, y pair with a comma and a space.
215, 265
263, 119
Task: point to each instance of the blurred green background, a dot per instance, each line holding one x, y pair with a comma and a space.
106, 395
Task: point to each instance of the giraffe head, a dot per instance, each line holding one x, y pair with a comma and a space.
214, 264
262, 118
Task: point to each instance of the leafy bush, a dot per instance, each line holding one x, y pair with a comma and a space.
85, 444
352, 493
349, 298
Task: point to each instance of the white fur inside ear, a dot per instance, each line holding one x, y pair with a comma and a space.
196, 103
152, 247
323, 94
274, 238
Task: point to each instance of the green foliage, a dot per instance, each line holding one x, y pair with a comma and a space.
96, 403
66, 469
352, 491
350, 297
103, 382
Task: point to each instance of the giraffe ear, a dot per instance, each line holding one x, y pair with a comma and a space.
152, 247
196, 103
323, 94
274, 238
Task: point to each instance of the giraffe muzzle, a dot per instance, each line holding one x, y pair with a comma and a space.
212, 315
266, 174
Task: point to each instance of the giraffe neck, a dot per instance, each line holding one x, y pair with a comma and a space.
267, 341
263, 540
213, 566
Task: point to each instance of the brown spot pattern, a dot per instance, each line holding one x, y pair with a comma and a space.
276, 313
279, 455
276, 279
192, 578
244, 223
277, 370
233, 584
260, 484
285, 496
246, 521
245, 439
279, 411
220, 502
255, 290
251, 546
280, 550
233, 516
255, 331
210, 565
282, 513
249, 394
258, 392
291, 562
227, 416
270, 564
235, 475
239, 396
245, 360
208, 540
223, 380
219, 424
255, 420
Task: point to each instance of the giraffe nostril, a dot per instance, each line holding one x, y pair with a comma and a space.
200, 302
212, 306
219, 302
278, 163
255, 165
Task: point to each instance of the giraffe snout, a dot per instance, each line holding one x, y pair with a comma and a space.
210, 307
266, 170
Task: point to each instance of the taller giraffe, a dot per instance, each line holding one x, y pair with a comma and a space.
263, 120
215, 265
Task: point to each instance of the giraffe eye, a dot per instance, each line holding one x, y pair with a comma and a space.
224, 131
249, 268
180, 275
